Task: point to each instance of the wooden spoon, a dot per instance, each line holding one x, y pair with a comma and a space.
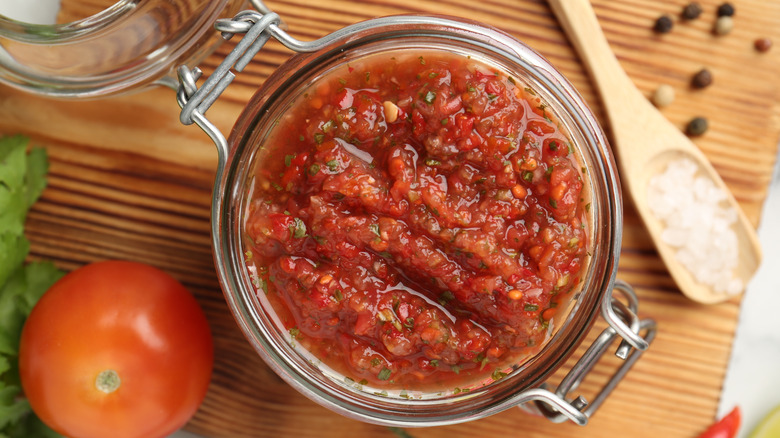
646, 142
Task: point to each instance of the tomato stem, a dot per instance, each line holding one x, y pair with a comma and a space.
108, 381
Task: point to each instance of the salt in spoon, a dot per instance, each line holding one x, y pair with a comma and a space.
645, 143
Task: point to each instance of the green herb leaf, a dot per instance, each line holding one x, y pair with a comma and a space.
498, 375
548, 173
384, 374
298, 228
531, 308
446, 297
22, 180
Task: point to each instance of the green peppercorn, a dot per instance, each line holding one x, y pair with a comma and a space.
697, 126
663, 24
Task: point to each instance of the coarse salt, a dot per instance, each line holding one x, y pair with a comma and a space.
696, 225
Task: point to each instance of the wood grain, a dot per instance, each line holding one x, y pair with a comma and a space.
128, 181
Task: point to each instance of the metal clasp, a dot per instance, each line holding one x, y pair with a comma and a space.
258, 27
195, 101
635, 334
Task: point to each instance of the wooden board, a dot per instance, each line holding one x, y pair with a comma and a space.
128, 181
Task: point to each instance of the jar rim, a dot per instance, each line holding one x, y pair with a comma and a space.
227, 223
57, 33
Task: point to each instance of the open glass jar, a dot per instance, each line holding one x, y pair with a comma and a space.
251, 291
126, 46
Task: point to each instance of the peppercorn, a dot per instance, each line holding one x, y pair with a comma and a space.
691, 11
663, 96
702, 79
723, 25
763, 44
697, 126
725, 10
663, 24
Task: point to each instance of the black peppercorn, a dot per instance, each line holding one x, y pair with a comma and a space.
663, 24
725, 10
702, 79
691, 11
697, 126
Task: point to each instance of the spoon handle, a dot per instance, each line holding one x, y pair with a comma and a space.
582, 27
624, 104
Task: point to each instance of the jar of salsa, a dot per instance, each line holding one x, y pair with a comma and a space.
416, 221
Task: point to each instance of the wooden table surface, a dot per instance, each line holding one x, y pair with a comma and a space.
128, 181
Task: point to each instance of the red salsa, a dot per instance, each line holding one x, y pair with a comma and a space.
417, 220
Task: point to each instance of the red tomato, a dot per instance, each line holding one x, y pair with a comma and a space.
727, 427
117, 349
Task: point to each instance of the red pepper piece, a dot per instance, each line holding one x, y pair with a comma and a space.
726, 427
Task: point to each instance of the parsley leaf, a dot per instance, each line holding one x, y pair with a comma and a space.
22, 180
384, 374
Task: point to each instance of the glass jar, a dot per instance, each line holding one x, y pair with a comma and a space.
239, 156
132, 44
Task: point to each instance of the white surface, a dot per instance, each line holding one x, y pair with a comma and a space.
753, 379
31, 11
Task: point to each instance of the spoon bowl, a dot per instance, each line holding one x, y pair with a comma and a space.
645, 143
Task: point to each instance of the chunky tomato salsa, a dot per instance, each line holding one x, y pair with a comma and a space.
417, 220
